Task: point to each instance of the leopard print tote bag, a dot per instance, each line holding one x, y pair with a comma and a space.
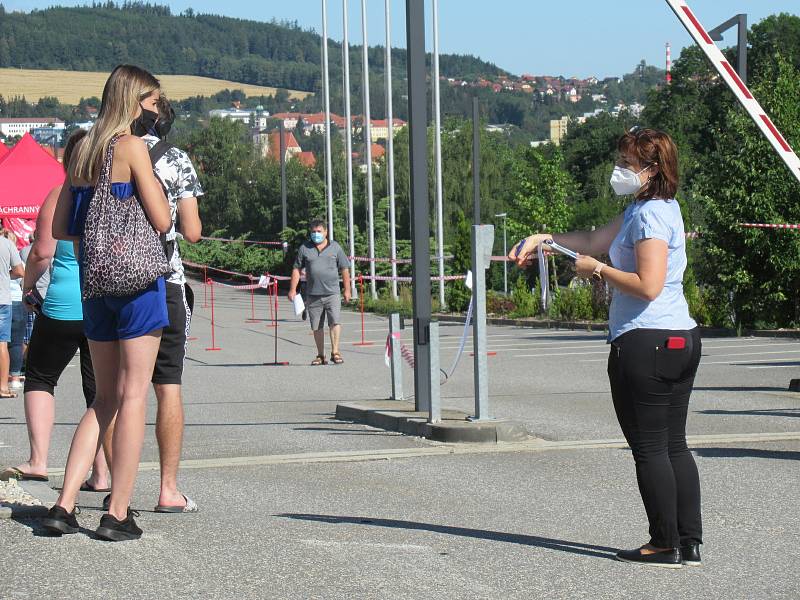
122, 252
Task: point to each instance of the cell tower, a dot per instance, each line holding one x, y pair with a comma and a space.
669, 64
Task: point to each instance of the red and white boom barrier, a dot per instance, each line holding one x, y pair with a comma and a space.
737, 86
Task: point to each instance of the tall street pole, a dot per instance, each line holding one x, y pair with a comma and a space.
327, 99
437, 148
390, 148
282, 145
367, 129
476, 162
348, 148
420, 224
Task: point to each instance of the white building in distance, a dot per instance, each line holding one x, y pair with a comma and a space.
21, 126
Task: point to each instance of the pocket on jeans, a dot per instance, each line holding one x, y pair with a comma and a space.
671, 363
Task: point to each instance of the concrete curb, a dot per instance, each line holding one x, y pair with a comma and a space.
454, 428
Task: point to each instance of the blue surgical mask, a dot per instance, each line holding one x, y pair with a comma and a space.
317, 237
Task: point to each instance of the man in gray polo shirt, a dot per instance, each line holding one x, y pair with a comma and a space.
10, 267
323, 260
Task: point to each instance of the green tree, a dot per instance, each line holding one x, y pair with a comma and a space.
743, 180
543, 192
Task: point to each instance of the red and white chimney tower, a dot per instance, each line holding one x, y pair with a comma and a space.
669, 64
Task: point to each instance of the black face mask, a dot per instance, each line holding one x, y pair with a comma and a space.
145, 123
164, 124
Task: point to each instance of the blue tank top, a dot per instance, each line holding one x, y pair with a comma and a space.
82, 196
63, 300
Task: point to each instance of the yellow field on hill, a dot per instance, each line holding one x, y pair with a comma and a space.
70, 86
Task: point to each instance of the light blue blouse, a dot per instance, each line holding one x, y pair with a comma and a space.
650, 219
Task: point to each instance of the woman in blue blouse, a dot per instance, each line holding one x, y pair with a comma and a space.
655, 344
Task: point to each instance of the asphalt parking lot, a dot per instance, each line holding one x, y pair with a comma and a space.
295, 504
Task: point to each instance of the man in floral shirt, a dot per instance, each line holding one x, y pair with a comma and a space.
175, 171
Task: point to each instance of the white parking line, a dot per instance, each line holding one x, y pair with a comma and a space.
739, 362
776, 367
558, 354
755, 353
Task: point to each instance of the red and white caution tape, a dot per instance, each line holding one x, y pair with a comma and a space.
263, 283
407, 354
217, 239
408, 279
387, 353
737, 86
771, 225
367, 259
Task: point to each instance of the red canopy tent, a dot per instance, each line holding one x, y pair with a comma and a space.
27, 174
3, 151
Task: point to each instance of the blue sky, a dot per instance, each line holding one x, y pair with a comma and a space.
570, 37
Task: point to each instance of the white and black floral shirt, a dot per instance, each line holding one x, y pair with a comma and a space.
176, 172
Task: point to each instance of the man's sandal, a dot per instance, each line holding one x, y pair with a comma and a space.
319, 360
337, 358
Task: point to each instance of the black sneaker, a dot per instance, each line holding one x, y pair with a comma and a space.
114, 530
690, 555
107, 502
669, 559
59, 521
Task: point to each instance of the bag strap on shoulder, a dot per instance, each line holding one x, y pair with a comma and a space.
158, 151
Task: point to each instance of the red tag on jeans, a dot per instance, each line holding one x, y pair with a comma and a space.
676, 343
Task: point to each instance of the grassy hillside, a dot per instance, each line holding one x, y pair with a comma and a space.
70, 86
98, 37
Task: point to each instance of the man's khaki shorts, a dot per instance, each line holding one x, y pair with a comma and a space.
320, 307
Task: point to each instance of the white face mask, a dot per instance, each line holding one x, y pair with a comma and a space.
626, 182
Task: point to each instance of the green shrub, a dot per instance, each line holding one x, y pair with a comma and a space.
525, 303
498, 304
572, 304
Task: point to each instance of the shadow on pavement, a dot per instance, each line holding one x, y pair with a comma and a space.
497, 536
746, 453
754, 412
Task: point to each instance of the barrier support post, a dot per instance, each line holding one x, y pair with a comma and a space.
482, 242
214, 347
272, 320
435, 412
363, 342
396, 361
252, 318
205, 286
275, 363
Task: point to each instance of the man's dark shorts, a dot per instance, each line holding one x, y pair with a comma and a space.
321, 307
172, 351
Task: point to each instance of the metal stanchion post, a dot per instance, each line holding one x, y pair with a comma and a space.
252, 318
482, 242
396, 357
275, 363
435, 413
205, 287
214, 347
361, 286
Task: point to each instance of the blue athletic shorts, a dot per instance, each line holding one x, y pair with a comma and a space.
5, 323
109, 319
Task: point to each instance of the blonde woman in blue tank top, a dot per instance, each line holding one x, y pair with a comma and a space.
655, 344
57, 336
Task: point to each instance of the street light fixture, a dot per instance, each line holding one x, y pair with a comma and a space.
505, 251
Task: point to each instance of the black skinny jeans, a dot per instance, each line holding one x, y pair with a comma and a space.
650, 385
